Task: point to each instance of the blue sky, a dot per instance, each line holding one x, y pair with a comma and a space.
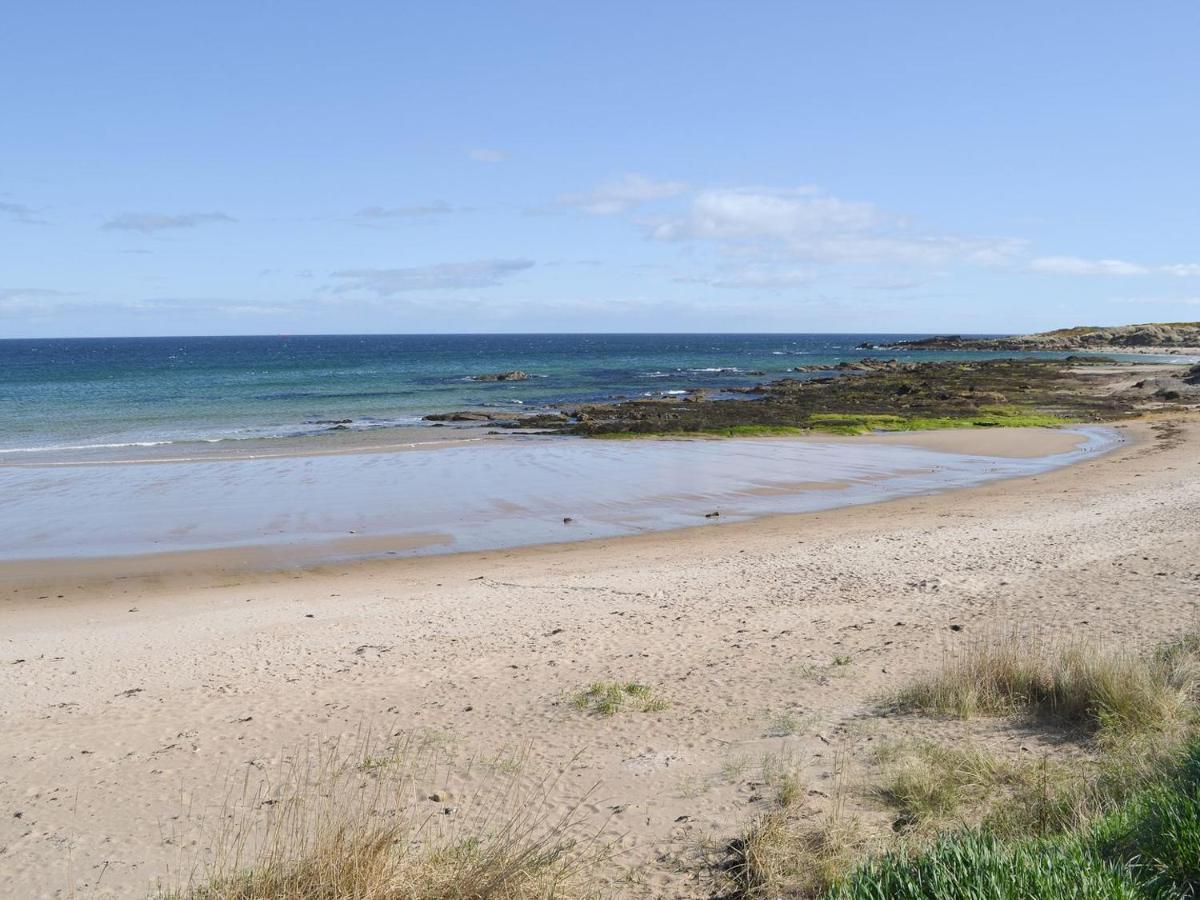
225, 168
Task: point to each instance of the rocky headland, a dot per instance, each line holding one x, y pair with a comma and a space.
1167, 337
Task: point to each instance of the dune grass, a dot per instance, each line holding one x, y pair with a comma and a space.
327, 827
607, 698
1120, 819
929, 784
1079, 684
789, 851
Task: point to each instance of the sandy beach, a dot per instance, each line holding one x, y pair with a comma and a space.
131, 702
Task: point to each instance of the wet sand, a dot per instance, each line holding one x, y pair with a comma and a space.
474, 495
130, 702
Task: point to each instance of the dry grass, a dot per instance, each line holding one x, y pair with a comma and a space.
1117, 691
931, 785
361, 825
785, 855
791, 850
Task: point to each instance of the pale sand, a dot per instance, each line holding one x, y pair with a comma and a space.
735, 624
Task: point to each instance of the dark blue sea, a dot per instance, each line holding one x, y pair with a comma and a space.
81, 393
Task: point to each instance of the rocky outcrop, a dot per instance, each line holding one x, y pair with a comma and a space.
1085, 337
514, 375
463, 416
866, 364
535, 420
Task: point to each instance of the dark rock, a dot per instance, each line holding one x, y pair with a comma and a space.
514, 375
712, 515
464, 416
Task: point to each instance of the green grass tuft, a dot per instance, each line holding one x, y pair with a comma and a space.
607, 698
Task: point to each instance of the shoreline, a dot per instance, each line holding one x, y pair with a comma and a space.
137, 702
1016, 447
550, 417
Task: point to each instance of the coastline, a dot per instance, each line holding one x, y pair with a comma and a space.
747, 479
137, 702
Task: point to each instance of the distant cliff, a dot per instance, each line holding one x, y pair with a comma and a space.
1166, 335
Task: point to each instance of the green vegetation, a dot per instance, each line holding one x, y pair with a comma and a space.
1147, 848
1119, 818
987, 417
837, 423
607, 698
976, 866
886, 396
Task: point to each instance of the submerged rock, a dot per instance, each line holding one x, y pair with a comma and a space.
514, 375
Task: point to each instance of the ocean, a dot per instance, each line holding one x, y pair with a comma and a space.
269, 445
68, 394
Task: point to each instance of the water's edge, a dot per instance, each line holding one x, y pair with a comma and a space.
507, 494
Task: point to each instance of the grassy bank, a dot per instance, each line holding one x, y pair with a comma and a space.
1121, 819
1146, 847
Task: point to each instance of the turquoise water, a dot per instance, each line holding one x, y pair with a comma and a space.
128, 391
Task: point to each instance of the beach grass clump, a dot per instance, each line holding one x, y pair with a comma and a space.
792, 850
1079, 684
607, 698
930, 783
326, 827
786, 854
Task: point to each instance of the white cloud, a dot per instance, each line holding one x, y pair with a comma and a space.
405, 212
445, 276
804, 223
32, 302
755, 279
620, 194
36, 303
740, 213
487, 155
1158, 301
147, 223
1074, 265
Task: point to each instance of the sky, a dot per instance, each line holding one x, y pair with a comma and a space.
357, 167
